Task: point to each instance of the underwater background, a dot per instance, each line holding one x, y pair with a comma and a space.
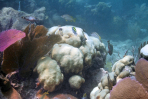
122, 17
103, 40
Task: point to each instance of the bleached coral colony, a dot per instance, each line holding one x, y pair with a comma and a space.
68, 56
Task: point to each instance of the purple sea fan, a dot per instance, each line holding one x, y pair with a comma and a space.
9, 37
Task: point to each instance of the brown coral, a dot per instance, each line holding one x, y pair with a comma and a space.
24, 54
128, 89
45, 95
64, 96
142, 72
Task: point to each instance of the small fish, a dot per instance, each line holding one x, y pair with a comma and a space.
68, 18
110, 48
74, 30
84, 96
44, 94
39, 95
96, 35
30, 18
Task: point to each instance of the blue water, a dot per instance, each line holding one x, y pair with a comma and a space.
115, 20
113, 17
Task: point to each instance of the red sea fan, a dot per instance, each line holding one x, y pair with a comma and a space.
9, 37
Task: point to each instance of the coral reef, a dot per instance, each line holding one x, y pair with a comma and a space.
56, 56
68, 3
9, 37
64, 96
9, 15
128, 89
70, 52
103, 9
69, 57
141, 72
8, 91
133, 30
23, 54
76, 81
143, 52
90, 46
68, 35
121, 69
50, 75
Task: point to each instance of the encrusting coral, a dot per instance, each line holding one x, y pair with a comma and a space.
46, 95
128, 89
141, 73
64, 96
